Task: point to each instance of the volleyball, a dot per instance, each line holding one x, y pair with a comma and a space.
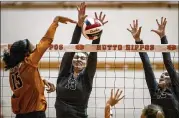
92, 28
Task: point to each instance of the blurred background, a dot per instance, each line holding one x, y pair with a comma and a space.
20, 20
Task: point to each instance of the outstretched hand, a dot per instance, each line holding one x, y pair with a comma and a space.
116, 98
161, 27
135, 31
101, 18
64, 20
81, 13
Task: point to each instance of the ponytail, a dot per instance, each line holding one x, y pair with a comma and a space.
6, 59
11, 60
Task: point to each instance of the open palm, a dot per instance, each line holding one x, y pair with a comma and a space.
135, 31
161, 27
101, 17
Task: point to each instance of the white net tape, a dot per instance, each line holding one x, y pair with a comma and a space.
108, 47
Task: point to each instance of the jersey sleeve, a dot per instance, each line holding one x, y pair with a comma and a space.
91, 64
149, 74
170, 68
66, 62
43, 45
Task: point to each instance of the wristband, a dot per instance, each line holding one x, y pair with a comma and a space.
111, 112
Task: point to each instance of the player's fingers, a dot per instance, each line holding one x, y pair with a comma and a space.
103, 17
72, 21
157, 22
105, 22
155, 31
131, 27
165, 24
84, 9
100, 15
129, 30
139, 30
116, 93
77, 7
164, 20
47, 84
161, 20
96, 16
53, 87
118, 96
121, 98
136, 23
81, 5
111, 93
83, 17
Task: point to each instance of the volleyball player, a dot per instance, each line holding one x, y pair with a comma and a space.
28, 100
150, 111
165, 92
113, 100
75, 79
171, 71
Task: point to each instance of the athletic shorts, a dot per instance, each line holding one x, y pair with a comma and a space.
36, 114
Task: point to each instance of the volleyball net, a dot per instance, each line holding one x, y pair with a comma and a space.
119, 66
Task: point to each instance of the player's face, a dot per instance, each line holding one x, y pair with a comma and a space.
163, 80
79, 61
31, 47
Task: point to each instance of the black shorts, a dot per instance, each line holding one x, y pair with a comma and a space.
35, 114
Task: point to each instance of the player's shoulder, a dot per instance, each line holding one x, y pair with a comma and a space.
28, 62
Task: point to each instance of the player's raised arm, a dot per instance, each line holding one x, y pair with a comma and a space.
68, 56
113, 100
47, 39
149, 74
92, 58
167, 57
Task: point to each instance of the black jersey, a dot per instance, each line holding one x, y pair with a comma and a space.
167, 98
73, 93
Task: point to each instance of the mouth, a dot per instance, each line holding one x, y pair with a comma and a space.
78, 63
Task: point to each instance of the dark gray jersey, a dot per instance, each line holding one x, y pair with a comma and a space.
167, 99
73, 93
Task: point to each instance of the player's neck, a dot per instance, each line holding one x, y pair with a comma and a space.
75, 74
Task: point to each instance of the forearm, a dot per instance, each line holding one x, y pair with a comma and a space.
51, 31
149, 75
167, 60
76, 35
170, 68
107, 111
66, 63
144, 56
44, 44
68, 56
92, 62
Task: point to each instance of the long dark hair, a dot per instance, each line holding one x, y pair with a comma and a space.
16, 54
